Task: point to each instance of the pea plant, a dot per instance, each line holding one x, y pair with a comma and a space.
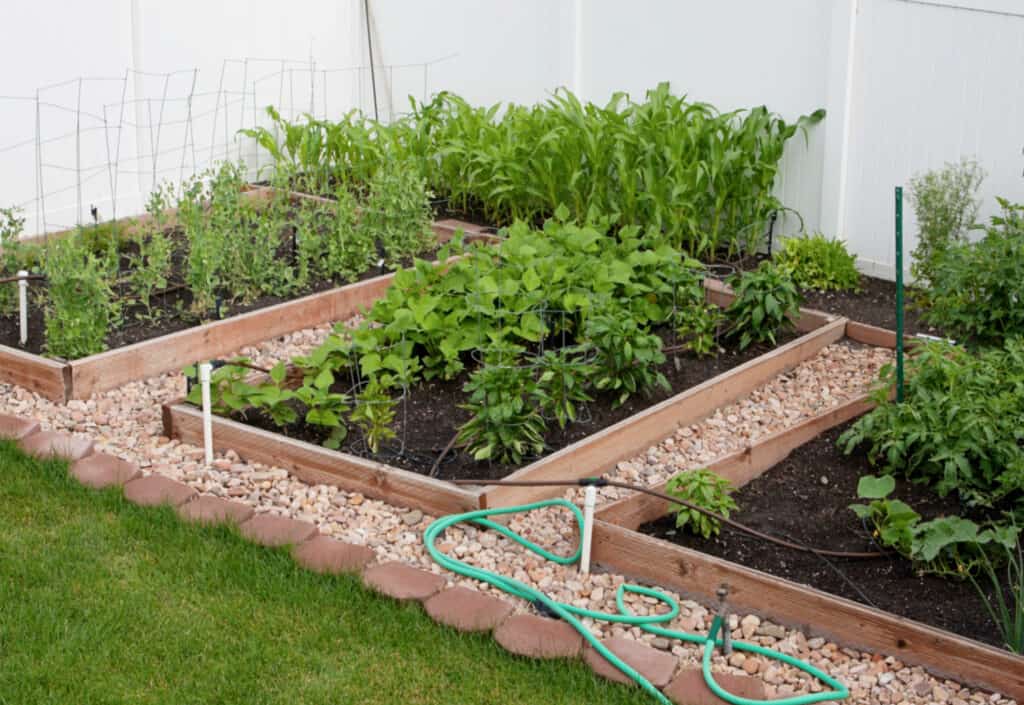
151, 267
11, 224
80, 304
397, 213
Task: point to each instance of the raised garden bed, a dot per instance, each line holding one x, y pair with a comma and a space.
588, 455
142, 350
918, 620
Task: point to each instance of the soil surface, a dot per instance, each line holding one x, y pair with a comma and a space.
430, 414
793, 500
874, 304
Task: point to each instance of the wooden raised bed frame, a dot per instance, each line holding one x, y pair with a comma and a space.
589, 456
78, 379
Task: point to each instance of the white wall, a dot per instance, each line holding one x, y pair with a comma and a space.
907, 85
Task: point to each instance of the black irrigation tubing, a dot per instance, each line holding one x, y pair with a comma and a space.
28, 278
601, 482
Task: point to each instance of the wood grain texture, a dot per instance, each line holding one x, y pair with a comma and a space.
318, 465
740, 466
601, 451
816, 613
47, 378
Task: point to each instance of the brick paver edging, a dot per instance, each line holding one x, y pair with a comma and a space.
461, 608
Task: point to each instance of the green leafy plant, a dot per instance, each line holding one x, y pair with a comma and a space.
151, 267
1007, 587
893, 521
398, 213
767, 302
946, 205
11, 224
958, 428
976, 288
80, 304
373, 414
627, 356
706, 490
230, 391
565, 375
817, 262
505, 425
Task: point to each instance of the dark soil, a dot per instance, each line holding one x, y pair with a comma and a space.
791, 501
170, 310
874, 304
430, 415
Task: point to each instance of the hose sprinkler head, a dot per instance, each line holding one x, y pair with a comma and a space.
723, 612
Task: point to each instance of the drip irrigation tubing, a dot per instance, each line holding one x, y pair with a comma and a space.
602, 482
572, 614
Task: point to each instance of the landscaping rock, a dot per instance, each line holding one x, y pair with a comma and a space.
101, 470
538, 637
402, 582
690, 688
53, 444
467, 610
273, 531
155, 490
323, 554
656, 666
214, 510
16, 428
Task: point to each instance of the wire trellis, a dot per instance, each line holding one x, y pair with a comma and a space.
110, 140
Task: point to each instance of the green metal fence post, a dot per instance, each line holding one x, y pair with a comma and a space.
899, 293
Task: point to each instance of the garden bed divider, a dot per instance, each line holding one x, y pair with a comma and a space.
653, 561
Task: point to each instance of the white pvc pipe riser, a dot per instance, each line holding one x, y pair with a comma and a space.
589, 503
205, 370
23, 306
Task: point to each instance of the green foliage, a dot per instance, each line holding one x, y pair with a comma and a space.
767, 302
958, 429
976, 288
695, 321
565, 375
627, 355
151, 267
398, 213
946, 204
817, 262
705, 489
1007, 607
701, 177
373, 414
949, 545
206, 241
79, 304
11, 224
505, 425
329, 243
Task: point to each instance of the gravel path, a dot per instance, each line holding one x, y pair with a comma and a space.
127, 422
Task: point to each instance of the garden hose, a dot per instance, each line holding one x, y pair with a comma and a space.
571, 614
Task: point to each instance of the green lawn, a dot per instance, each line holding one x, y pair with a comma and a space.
105, 602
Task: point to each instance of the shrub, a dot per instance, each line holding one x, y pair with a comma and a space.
958, 428
767, 303
706, 490
819, 263
946, 204
977, 289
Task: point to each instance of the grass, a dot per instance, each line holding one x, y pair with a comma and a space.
105, 602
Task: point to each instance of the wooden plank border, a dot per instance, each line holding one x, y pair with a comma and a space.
318, 465
601, 451
48, 378
697, 575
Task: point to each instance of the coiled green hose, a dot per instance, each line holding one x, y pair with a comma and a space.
570, 613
